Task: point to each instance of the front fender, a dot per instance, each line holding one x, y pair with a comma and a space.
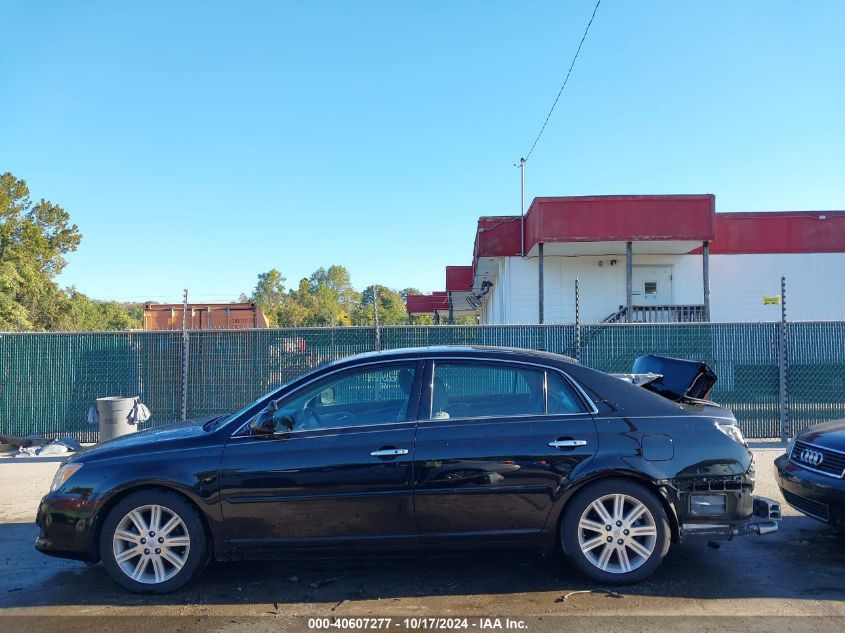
74, 514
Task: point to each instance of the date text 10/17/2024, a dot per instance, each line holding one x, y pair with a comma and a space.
416, 624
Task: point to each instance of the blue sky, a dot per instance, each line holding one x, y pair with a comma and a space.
198, 144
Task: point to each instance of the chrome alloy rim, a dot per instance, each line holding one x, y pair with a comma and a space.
151, 544
617, 533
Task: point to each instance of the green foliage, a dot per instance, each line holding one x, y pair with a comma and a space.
391, 307
13, 316
84, 314
326, 298
269, 294
34, 238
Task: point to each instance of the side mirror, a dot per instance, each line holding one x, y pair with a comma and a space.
263, 423
267, 421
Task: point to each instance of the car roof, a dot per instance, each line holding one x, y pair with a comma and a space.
471, 351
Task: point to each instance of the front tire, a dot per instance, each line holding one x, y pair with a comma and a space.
153, 541
615, 531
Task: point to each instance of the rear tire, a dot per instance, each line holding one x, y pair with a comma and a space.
615, 531
153, 541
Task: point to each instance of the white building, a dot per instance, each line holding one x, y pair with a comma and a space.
647, 258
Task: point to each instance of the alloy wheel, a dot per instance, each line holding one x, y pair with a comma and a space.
617, 533
151, 544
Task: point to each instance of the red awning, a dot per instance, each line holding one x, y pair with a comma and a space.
427, 304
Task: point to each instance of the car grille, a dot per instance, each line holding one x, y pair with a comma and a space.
807, 506
820, 460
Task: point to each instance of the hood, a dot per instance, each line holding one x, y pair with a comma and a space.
679, 379
159, 438
828, 435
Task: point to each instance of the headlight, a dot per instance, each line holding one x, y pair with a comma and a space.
733, 432
62, 475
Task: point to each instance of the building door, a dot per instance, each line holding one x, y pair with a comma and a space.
652, 286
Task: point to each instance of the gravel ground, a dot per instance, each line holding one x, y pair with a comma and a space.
799, 571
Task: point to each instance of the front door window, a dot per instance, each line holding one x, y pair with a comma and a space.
377, 395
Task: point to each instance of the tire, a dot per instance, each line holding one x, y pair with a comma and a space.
631, 548
140, 522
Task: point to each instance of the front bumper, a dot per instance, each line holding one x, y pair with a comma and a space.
818, 496
66, 527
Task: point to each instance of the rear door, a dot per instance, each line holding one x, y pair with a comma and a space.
495, 442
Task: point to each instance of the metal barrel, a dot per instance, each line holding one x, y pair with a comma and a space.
114, 416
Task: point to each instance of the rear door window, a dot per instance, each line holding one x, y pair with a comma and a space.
477, 390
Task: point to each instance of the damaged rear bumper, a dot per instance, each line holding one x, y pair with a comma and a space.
722, 507
764, 520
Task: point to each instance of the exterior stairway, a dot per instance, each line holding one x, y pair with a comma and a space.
659, 314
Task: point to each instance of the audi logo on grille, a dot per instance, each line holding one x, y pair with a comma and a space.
809, 456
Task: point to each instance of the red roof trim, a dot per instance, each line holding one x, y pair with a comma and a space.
427, 304
779, 232
458, 278
620, 219
664, 217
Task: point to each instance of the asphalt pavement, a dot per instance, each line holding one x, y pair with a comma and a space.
798, 571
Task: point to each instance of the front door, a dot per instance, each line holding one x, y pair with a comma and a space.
342, 473
498, 443
652, 286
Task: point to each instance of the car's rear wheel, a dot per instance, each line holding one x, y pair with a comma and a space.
153, 541
615, 531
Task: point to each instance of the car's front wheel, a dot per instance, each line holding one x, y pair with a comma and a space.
615, 531
153, 541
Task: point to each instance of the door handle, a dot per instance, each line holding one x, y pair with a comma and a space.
389, 452
567, 443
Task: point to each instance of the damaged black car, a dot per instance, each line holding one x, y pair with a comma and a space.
420, 448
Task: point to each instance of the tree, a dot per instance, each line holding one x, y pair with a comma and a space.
328, 299
391, 307
336, 299
13, 316
269, 294
34, 238
298, 307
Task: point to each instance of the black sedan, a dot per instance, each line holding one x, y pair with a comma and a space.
811, 474
418, 448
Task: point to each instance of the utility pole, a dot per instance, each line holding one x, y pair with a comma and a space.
522, 207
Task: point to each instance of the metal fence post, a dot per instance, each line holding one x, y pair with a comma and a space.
577, 322
185, 357
783, 359
375, 317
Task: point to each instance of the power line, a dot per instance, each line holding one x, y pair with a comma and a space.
566, 79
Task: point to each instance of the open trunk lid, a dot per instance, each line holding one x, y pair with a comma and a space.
673, 378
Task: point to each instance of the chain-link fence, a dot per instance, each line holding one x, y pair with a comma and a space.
48, 381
